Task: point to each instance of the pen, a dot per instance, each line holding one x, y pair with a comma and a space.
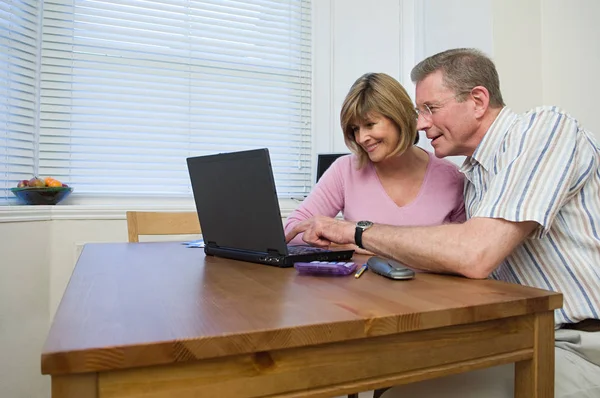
361, 271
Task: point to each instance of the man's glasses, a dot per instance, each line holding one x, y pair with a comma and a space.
427, 111
424, 112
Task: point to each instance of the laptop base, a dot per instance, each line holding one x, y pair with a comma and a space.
277, 260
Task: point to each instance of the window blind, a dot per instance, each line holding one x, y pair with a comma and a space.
130, 88
18, 69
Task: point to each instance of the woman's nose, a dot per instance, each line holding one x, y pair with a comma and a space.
359, 135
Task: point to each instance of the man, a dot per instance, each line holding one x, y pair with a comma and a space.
532, 197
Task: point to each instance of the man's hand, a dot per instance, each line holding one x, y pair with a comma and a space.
322, 231
352, 246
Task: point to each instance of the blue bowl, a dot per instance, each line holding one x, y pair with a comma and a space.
42, 196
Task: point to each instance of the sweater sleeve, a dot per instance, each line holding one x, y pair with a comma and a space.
326, 198
459, 214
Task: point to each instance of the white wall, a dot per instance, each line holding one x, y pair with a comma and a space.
518, 51
547, 53
570, 61
545, 50
352, 38
456, 23
24, 316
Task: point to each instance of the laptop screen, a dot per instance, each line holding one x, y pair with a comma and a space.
237, 201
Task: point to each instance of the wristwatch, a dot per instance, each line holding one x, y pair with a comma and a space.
361, 227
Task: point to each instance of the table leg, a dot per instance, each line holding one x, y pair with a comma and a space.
534, 378
75, 386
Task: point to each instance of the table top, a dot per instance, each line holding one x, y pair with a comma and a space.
139, 304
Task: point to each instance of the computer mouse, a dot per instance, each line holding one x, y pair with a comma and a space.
389, 268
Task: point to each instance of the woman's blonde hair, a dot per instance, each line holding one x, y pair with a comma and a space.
381, 93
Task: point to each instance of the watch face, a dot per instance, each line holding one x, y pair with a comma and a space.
364, 224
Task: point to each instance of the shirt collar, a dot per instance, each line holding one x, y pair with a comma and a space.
492, 139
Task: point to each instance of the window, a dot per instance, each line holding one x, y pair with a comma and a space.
18, 70
130, 88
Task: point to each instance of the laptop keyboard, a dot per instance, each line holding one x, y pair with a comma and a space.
295, 250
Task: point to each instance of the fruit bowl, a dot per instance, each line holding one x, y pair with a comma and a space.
41, 196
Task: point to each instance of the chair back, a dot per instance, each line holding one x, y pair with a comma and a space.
161, 223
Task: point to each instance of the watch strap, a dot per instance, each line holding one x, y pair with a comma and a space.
358, 237
358, 232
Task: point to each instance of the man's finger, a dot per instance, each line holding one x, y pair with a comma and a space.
289, 236
298, 228
315, 240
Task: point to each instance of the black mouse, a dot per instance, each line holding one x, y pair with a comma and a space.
389, 268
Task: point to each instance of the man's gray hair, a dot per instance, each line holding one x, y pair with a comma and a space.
462, 69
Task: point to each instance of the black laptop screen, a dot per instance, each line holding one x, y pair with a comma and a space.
237, 201
325, 160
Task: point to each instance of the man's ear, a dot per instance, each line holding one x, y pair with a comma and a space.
481, 98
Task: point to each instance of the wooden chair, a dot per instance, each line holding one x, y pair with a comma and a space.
161, 223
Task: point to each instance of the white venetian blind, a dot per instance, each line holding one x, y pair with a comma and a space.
130, 88
18, 57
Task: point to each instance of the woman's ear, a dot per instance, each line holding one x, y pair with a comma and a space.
481, 98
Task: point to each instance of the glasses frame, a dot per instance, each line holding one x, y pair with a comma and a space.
427, 112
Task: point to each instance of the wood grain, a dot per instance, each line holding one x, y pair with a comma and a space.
136, 305
534, 378
161, 223
75, 386
335, 368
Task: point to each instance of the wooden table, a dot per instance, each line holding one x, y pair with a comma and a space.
160, 320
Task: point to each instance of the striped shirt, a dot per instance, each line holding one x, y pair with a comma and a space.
543, 166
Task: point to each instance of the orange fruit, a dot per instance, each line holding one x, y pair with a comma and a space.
52, 182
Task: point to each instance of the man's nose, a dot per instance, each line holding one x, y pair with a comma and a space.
423, 123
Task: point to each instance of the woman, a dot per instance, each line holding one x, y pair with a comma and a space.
387, 179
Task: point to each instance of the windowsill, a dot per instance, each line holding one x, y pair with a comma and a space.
98, 211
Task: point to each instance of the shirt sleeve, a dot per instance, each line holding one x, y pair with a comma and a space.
538, 170
325, 199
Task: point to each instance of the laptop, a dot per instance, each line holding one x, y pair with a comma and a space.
239, 211
324, 160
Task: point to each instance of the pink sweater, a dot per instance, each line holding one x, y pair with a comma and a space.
359, 195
